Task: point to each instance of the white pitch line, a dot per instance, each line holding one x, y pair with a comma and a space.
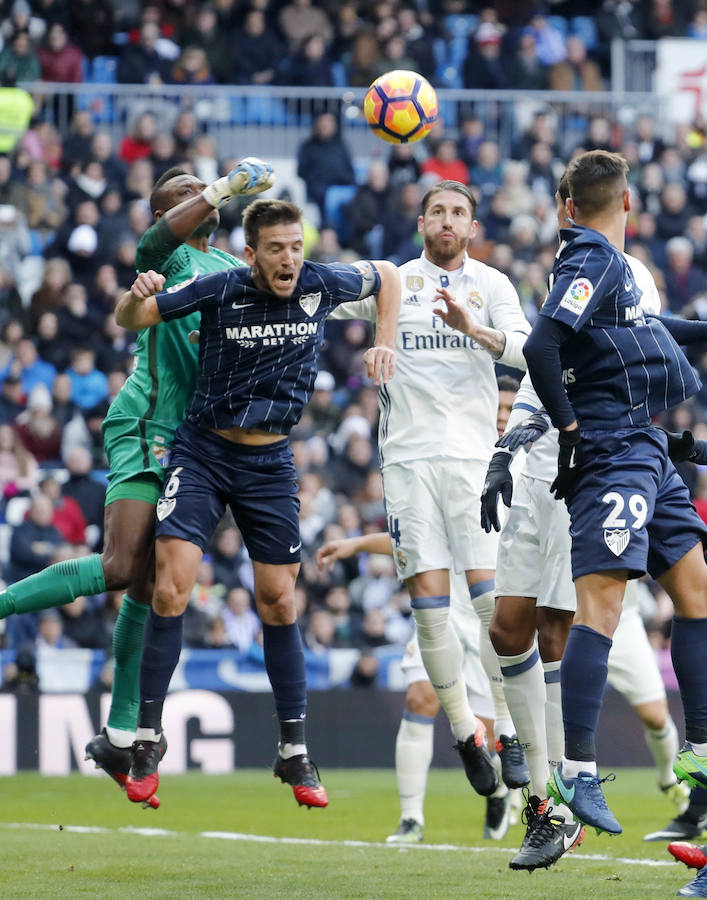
316, 842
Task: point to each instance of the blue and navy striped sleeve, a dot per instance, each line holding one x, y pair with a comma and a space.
585, 275
177, 301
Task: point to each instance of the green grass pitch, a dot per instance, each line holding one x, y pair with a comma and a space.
243, 836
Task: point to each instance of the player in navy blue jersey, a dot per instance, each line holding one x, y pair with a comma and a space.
261, 331
602, 371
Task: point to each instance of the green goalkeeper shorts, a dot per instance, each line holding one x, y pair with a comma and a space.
138, 456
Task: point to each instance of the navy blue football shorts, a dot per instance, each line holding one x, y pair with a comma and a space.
207, 473
630, 509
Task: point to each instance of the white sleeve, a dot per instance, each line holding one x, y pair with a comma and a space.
356, 309
506, 315
525, 404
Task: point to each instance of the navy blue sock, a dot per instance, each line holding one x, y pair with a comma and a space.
583, 675
284, 661
688, 643
160, 654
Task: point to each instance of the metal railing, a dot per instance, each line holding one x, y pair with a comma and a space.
273, 121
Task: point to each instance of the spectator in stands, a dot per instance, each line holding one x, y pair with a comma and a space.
192, 67
650, 147
185, 129
76, 146
444, 162
88, 182
88, 385
164, 155
485, 67
367, 210
49, 296
64, 408
696, 232
92, 25
403, 165
229, 558
697, 29
320, 632
363, 66
418, 41
663, 18
209, 34
487, 174
12, 399
300, 19
323, 160
83, 621
18, 60
50, 633
19, 472
101, 149
88, 493
395, 55
21, 19
12, 333
577, 72
60, 60
240, 619
674, 211
34, 541
38, 430
43, 204
28, 367
68, 518
138, 143
141, 63
15, 241
401, 239
20, 677
310, 65
526, 71
541, 175
683, 280
550, 43
256, 51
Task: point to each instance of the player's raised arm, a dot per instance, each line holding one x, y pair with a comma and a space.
137, 309
343, 548
380, 358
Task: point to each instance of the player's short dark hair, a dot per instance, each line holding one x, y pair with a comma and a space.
266, 212
157, 194
597, 181
507, 383
563, 187
447, 185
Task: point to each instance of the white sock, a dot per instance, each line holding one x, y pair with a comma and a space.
413, 755
664, 746
484, 606
442, 655
561, 810
120, 738
525, 694
572, 767
699, 749
147, 734
554, 728
288, 750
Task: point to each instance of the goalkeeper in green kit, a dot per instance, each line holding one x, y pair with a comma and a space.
138, 431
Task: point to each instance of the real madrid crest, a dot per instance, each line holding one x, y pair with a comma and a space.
414, 282
310, 302
475, 300
401, 557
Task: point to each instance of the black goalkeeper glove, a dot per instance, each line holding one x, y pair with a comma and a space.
498, 481
569, 461
526, 432
681, 447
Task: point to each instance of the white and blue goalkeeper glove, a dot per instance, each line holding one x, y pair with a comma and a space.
250, 176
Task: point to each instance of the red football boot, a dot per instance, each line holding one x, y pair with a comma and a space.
693, 856
143, 778
301, 773
115, 761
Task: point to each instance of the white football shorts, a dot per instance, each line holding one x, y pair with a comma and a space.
434, 510
534, 548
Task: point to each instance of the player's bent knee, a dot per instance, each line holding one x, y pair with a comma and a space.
421, 699
169, 599
508, 641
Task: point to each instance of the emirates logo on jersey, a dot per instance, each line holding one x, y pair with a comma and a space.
310, 302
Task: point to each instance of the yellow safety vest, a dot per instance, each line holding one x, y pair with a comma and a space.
16, 108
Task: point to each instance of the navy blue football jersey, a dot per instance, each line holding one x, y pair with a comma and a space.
618, 369
258, 353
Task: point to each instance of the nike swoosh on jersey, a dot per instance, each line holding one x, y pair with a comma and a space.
241, 305
568, 840
295, 549
567, 795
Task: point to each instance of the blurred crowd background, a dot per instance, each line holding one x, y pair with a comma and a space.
74, 203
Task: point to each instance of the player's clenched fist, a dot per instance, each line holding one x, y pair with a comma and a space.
380, 364
250, 176
146, 284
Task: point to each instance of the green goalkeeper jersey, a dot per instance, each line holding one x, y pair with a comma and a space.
166, 363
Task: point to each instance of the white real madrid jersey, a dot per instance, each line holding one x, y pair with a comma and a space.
542, 458
443, 400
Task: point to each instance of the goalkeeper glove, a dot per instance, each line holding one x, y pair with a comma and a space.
250, 176
498, 481
684, 448
526, 432
569, 461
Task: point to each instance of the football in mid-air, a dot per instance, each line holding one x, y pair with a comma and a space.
401, 107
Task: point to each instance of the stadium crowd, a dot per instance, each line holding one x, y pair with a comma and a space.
73, 206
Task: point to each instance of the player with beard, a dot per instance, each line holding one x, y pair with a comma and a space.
436, 435
139, 430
